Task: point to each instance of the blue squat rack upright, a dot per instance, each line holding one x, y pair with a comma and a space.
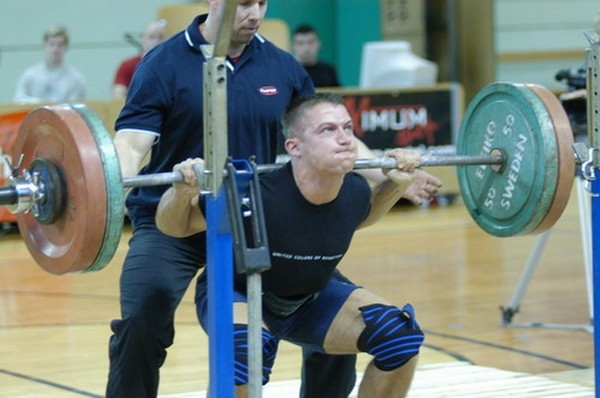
220, 239
593, 117
219, 254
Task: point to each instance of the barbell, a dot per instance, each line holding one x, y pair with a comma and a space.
514, 158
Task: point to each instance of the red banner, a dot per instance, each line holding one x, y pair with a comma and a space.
9, 128
408, 118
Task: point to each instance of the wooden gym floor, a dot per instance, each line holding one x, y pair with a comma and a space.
54, 330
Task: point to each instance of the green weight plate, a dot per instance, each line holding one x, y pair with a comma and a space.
514, 199
115, 211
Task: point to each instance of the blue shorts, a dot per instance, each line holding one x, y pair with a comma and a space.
308, 325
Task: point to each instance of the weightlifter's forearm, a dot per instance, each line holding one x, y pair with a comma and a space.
385, 196
373, 176
130, 155
131, 149
178, 213
129, 161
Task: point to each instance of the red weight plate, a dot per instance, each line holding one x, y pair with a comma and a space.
60, 135
565, 156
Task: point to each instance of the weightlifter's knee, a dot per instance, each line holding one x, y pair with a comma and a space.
240, 345
391, 335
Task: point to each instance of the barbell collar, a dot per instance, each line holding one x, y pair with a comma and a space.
20, 194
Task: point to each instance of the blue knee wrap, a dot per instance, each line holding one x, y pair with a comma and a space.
392, 336
240, 346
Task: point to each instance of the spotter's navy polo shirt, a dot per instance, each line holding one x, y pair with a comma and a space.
166, 99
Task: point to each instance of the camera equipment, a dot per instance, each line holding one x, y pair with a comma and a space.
575, 105
574, 78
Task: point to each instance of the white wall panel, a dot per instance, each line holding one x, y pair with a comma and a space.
545, 36
96, 29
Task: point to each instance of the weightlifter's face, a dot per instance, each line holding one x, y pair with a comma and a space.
326, 140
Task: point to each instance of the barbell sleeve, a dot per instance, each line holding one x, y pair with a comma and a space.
8, 196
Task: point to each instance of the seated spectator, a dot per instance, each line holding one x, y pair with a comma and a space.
154, 33
52, 80
306, 45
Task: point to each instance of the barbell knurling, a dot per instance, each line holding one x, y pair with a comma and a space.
368, 163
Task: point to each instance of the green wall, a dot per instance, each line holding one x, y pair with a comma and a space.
343, 25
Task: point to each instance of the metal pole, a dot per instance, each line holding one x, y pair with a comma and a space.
370, 163
21, 192
219, 244
593, 120
255, 362
458, 160
596, 282
585, 227
515, 301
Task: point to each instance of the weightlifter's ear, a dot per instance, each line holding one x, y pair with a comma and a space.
291, 146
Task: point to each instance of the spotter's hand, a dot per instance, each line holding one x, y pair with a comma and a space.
424, 188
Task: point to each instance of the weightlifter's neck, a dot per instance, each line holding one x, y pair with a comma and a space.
317, 187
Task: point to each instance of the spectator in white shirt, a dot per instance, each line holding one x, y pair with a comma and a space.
52, 80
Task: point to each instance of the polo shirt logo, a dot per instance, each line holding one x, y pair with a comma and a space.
268, 90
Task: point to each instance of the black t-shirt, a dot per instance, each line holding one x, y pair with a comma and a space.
307, 241
322, 75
